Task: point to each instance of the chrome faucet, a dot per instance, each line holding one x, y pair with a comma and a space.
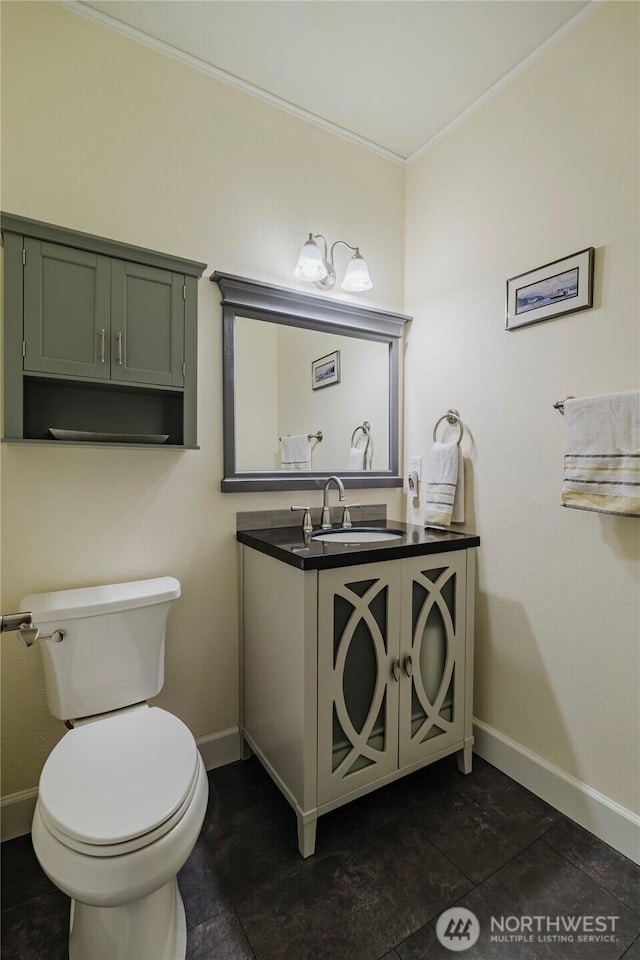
325, 522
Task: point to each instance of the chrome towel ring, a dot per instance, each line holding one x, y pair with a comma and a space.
365, 427
452, 417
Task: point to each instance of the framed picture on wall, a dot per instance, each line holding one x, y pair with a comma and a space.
326, 370
553, 290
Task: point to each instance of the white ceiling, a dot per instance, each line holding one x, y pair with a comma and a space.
391, 74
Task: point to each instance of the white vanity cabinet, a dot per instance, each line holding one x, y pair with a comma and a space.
355, 675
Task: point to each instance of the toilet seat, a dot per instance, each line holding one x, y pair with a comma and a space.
119, 783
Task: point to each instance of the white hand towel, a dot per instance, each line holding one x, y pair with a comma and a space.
295, 452
602, 454
457, 515
442, 477
356, 458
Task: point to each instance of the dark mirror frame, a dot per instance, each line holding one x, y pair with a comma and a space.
263, 301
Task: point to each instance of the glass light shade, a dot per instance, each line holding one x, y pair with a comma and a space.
310, 265
356, 276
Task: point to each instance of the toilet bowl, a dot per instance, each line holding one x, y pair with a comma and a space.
123, 795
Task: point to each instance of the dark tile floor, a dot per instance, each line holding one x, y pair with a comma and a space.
385, 868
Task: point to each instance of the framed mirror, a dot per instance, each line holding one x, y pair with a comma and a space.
311, 389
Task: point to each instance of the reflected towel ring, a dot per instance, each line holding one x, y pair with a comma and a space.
451, 416
366, 427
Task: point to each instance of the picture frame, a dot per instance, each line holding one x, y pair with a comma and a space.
325, 370
553, 290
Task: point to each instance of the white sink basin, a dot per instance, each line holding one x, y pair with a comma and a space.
357, 535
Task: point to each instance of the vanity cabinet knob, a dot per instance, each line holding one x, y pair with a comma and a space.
395, 669
408, 665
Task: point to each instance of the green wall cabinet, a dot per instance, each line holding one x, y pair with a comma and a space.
100, 337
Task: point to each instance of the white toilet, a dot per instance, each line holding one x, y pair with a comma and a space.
123, 795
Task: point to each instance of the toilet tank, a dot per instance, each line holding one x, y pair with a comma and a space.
112, 654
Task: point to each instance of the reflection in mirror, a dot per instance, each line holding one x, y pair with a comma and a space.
275, 397
311, 388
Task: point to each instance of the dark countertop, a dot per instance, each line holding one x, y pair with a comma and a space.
288, 544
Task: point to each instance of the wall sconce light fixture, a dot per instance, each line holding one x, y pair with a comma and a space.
316, 266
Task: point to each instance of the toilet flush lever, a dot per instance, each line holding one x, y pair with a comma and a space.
28, 633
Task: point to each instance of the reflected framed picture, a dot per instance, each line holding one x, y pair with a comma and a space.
553, 290
326, 370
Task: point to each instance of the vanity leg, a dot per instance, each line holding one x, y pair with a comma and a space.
465, 759
307, 835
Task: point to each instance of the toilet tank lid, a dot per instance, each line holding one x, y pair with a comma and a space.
95, 601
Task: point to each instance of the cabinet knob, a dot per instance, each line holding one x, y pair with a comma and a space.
408, 665
395, 669
102, 333
119, 342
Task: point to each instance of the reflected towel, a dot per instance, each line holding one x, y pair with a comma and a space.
356, 458
295, 452
602, 454
442, 479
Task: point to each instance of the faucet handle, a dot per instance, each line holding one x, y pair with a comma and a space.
346, 516
307, 526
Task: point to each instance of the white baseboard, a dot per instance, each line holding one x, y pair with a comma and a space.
16, 809
218, 749
16, 813
594, 811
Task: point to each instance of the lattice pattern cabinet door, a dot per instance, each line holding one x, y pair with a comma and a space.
358, 677
432, 654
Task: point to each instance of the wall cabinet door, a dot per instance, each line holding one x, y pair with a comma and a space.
358, 638
100, 338
432, 654
147, 324
66, 311
86, 315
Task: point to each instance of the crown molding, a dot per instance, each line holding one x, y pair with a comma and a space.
77, 6
508, 77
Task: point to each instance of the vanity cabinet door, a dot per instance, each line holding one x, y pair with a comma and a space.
358, 676
66, 311
147, 324
432, 655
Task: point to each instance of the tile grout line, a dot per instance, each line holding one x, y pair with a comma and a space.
593, 879
246, 935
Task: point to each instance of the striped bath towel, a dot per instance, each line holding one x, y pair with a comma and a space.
442, 480
602, 454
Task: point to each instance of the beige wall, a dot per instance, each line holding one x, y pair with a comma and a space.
104, 135
547, 167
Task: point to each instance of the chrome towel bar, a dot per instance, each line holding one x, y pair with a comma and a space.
311, 436
559, 404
